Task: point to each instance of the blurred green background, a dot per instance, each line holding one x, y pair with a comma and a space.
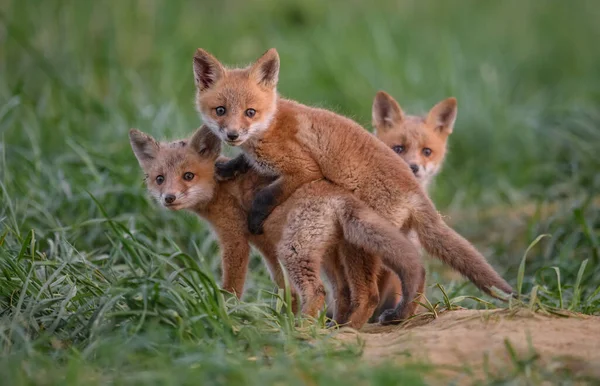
76, 75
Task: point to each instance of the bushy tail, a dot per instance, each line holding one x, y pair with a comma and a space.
444, 243
365, 229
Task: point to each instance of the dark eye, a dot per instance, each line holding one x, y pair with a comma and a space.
250, 113
426, 152
398, 148
220, 111
188, 176
160, 180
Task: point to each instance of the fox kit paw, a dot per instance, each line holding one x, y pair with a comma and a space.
255, 223
228, 170
390, 317
224, 171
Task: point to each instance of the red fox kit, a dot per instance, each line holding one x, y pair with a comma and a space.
421, 143
315, 219
299, 144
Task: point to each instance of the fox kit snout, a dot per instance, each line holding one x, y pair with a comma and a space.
419, 141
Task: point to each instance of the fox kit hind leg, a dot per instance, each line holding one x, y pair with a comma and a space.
339, 296
305, 240
360, 269
326, 219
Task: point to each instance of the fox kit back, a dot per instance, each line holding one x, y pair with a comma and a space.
303, 144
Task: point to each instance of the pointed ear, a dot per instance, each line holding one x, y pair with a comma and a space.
206, 143
386, 111
207, 69
144, 147
443, 115
266, 69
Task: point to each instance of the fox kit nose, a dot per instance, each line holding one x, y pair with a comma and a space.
169, 198
232, 135
414, 168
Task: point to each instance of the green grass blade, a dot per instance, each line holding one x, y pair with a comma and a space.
521, 272
575, 301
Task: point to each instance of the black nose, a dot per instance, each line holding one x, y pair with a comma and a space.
169, 198
414, 168
232, 135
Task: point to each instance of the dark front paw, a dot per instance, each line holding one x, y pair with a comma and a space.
255, 222
390, 317
225, 170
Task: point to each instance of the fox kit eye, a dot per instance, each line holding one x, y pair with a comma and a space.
426, 152
220, 111
160, 180
188, 176
398, 148
250, 113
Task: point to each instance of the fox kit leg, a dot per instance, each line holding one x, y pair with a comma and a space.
263, 204
364, 228
274, 267
304, 271
390, 291
266, 199
333, 268
361, 270
306, 239
396, 315
235, 253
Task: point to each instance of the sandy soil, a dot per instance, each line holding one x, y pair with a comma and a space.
462, 339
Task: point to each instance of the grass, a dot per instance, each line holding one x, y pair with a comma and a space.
99, 286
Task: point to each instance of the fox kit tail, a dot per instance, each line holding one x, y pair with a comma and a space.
444, 243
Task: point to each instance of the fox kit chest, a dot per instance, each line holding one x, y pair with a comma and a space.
265, 159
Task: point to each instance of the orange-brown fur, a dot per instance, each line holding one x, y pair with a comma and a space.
421, 142
300, 144
316, 218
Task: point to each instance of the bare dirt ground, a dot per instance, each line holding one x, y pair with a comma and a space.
458, 342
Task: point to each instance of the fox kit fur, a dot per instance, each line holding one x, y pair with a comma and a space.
421, 143
315, 219
298, 144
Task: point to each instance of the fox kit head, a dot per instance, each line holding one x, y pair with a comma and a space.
420, 141
179, 174
236, 104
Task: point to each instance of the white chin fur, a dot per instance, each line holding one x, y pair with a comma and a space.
212, 125
197, 196
427, 173
260, 127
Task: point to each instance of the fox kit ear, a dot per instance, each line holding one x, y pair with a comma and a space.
144, 147
207, 69
266, 69
206, 143
386, 111
443, 115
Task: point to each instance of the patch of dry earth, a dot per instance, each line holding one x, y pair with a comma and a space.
464, 337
